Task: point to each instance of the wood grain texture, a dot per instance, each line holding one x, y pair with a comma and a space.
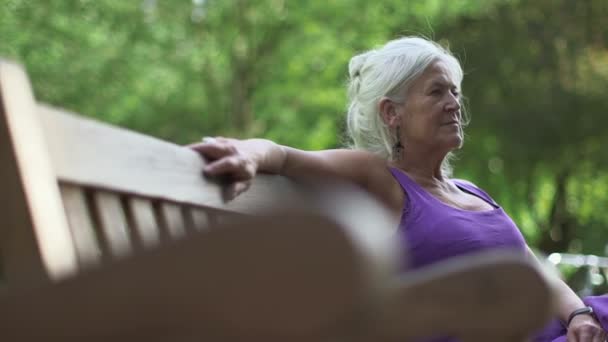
126, 161
35, 240
118, 159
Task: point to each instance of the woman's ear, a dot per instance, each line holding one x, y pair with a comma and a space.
388, 112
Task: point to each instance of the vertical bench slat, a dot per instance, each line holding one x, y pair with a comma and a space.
113, 223
172, 220
81, 225
144, 221
199, 219
212, 217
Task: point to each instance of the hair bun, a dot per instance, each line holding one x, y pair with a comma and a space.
357, 63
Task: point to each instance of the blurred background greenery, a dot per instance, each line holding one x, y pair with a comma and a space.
536, 81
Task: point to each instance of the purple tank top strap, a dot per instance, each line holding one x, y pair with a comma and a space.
469, 187
410, 190
409, 186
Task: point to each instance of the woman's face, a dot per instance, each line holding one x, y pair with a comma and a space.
431, 118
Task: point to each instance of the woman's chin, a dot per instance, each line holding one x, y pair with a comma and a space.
454, 143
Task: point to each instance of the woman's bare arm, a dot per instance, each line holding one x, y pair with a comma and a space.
582, 327
242, 159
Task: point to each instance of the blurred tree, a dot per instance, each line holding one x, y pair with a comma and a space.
536, 71
170, 68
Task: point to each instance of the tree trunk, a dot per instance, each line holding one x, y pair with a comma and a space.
560, 224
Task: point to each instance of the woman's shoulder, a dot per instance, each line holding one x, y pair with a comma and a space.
372, 172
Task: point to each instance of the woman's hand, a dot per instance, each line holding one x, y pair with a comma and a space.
585, 328
229, 160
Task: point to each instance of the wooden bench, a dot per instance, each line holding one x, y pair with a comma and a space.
83, 197
91, 210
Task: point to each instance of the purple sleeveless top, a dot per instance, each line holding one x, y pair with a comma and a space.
432, 231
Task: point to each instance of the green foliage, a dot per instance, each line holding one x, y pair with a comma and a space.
536, 72
536, 78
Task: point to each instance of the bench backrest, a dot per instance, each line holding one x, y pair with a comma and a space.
79, 193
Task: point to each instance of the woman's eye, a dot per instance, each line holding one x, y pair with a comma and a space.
436, 92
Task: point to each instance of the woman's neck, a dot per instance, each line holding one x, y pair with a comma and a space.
424, 166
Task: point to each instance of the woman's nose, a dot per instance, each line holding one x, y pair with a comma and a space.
453, 103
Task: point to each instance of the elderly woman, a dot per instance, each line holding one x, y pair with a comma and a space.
405, 118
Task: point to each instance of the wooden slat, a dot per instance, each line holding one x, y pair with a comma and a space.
126, 161
212, 217
35, 241
144, 222
113, 223
267, 192
172, 220
81, 225
116, 158
199, 219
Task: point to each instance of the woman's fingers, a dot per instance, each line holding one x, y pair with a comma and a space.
237, 166
232, 190
601, 337
586, 333
214, 149
226, 161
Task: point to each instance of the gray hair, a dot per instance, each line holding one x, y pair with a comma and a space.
388, 71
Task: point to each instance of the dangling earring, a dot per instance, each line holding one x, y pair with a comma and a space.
397, 147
